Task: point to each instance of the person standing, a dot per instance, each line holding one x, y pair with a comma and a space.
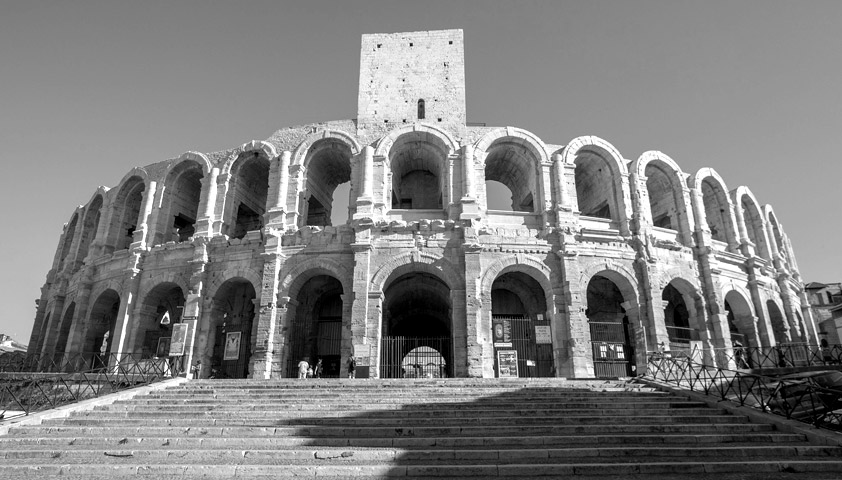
317, 370
303, 366
352, 367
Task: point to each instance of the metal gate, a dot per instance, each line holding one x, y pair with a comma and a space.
231, 351
416, 357
613, 355
323, 343
534, 359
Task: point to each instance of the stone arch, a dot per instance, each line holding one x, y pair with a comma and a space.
514, 157
67, 238
750, 221
304, 271
715, 209
693, 303
524, 264
777, 318
303, 148
411, 262
247, 195
601, 180
416, 170
179, 196
126, 208
666, 191
426, 132
324, 165
774, 230
90, 224
249, 274
620, 274
259, 148
741, 316
163, 294
230, 310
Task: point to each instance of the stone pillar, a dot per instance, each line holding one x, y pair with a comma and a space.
218, 218
120, 338
207, 204
365, 308
141, 234
746, 246
764, 327
479, 348
365, 200
576, 357
51, 333
80, 323
263, 362
470, 209
275, 215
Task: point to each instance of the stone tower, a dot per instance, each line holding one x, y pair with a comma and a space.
412, 77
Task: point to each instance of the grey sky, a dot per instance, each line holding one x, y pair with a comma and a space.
90, 89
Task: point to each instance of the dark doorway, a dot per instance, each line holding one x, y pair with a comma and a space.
611, 333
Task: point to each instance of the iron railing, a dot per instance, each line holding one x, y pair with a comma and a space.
781, 356
26, 392
797, 397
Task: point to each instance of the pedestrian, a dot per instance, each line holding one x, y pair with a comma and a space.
352, 367
317, 370
303, 366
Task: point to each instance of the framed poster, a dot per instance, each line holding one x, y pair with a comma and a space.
179, 338
163, 347
502, 331
232, 346
507, 364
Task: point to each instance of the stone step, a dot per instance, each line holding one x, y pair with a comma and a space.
150, 442
406, 456
407, 422
385, 432
758, 468
282, 413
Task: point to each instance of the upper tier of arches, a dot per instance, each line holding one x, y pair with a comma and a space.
415, 172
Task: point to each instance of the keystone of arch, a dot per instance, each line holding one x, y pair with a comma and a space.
384, 145
304, 147
527, 139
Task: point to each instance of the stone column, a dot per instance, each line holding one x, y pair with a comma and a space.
218, 219
53, 327
365, 309
207, 204
275, 216
365, 200
470, 209
263, 362
141, 234
746, 246
764, 331
480, 351
576, 357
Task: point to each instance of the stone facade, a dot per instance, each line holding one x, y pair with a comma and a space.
599, 260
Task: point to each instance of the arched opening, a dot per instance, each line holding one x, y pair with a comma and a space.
418, 174
161, 308
595, 191
100, 328
754, 226
498, 196
776, 232
740, 320
180, 203
416, 317
231, 329
421, 110
328, 166
716, 210
519, 323
512, 164
90, 226
69, 232
779, 326
127, 210
611, 331
677, 320
250, 189
63, 333
316, 331
661, 197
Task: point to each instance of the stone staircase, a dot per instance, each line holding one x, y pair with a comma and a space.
410, 429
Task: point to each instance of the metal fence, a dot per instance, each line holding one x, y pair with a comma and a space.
26, 392
415, 357
781, 356
799, 398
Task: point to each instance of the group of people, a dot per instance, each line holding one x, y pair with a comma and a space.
306, 371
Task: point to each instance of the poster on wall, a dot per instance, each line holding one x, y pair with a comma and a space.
502, 330
542, 334
507, 364
232, 346
163, 347
179, 338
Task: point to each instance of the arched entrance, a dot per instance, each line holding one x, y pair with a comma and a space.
232, 317
518, 309
316, 331
101, 321
161, 309
611, 331
417, 338
779, 326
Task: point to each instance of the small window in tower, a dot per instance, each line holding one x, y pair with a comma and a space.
421, 113
450, 42
410, 44
380, 44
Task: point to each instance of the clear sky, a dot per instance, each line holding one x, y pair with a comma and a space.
90, 89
